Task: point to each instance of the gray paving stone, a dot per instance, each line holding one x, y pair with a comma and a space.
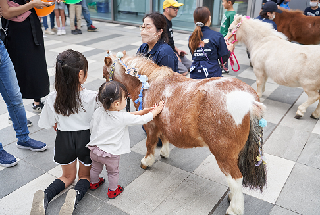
310, 154
247, 80
136, 134
242, 68
285, 94
105, 208
301, 192
286, 142
94, 85
93, 52
267, 131
125, 48
13, 178
187, 159
98, 39
276, 210
3, 107
252, 206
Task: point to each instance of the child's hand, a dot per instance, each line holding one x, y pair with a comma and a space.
158, 108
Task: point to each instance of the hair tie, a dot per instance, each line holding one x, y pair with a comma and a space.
200, 24
111, 99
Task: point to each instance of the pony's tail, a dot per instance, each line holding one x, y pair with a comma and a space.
253, 172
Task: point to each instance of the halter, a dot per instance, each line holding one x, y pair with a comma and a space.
133, 72
232, 55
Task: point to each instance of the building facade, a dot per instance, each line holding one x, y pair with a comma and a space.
132, 11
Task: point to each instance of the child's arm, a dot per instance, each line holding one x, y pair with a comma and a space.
142, 112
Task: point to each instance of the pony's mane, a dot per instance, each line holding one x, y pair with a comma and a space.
146, 66
267, 29
290, 12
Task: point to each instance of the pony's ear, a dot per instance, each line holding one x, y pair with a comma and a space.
238, 18
107, 61
124, 52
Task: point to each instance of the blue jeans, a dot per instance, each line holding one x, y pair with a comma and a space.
85, 13
10, 92
45, 21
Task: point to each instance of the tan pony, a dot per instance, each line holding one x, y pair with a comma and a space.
286, 63
219, 113
298, 27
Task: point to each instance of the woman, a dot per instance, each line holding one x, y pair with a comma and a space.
207, 47
25, 46
154, 38
267, 13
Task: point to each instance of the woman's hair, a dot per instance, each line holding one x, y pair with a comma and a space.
68, 65
201, 17
160, 22
110, 92
264, 14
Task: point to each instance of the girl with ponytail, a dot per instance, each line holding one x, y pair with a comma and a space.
207, 47
68, 110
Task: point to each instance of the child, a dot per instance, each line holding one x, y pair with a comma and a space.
226, 21
110, 136
284, 4
75, 11
69, 110
59, 11
313, 10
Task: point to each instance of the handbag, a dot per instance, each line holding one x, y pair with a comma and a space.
3, 30
21, 17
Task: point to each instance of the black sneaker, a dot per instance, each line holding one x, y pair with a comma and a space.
79, 31
75, 32
37, 108
92, 28
29, 123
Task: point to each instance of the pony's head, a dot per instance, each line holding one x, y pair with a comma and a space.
109, 68
233, 35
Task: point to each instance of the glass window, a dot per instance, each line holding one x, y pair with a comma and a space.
131, 10
100, 9
184, 19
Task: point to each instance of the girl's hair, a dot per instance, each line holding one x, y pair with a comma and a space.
110, 92
200, 14
68, 65
264, 14
160, 22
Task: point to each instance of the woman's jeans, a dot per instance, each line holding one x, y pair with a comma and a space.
10, 92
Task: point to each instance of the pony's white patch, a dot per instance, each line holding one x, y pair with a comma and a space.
238, 104
236, 196
168, 91
148, 161
165, 149
165, 115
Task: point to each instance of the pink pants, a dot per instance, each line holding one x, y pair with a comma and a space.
112, 167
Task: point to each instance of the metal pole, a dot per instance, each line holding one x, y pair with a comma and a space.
112, 9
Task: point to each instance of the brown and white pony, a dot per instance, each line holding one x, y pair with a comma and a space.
298, 27
219, 113
286, 63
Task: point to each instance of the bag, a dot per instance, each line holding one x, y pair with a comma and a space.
3, 30
21, 17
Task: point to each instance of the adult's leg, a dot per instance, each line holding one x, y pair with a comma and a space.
86, 13
78, 15
63, 18
57, 14
52, 16
72, 13
45, 22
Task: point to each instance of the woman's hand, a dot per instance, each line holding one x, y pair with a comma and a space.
230, 47
40, 4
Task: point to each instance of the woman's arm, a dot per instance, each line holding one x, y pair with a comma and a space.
9, 12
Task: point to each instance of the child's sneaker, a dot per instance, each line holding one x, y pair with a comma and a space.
69, 203
33, 145
63, 32
75, 32
96, 185
113, 194
79, 31
6, 159
39, 204
92, 28
37, 108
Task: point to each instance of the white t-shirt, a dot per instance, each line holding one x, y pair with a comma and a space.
74, 122
109, 130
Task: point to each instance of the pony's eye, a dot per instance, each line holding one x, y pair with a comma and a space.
230, 30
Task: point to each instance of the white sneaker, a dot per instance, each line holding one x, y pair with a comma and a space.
48, 31
63, 31
59, 32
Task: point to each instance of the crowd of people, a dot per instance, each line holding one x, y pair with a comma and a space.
78, 114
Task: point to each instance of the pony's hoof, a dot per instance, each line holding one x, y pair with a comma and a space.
297, 116
313, 117
229, 200
162, 156
143, 166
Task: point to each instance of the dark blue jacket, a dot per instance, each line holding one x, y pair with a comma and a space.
268, 21
162, 54
205, 59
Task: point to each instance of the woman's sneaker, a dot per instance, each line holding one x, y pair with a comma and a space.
37, 108
39, 204
96, 185
113, 194
6, 159
33, 145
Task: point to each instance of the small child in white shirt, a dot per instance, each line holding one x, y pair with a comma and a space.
110, 136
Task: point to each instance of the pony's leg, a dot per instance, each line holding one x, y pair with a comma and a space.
316, 112
313, 96
164, 152
261, 81
234, 179
149, 159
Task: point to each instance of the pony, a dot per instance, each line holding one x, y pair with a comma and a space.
298, 27
286, 63
222, 114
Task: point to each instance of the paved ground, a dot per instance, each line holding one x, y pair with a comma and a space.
189, 182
